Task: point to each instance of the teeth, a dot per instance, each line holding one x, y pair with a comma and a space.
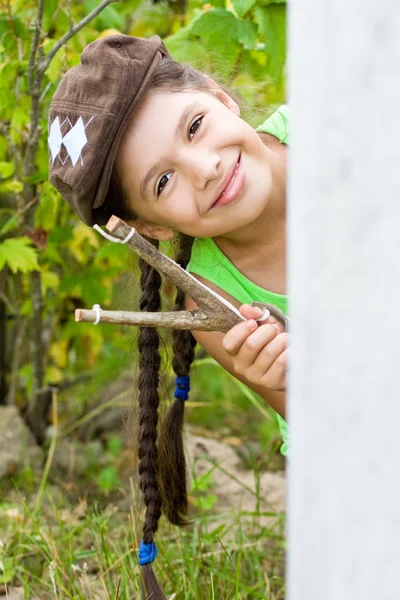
232, 181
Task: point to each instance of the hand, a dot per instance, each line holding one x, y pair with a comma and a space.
259, 352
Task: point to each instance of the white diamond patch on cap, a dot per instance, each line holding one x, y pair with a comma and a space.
74, 141
55, 139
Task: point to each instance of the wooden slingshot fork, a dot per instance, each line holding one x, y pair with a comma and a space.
214, 312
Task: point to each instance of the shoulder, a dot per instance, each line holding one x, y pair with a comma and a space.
277, 125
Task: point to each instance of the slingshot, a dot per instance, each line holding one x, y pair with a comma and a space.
215, 313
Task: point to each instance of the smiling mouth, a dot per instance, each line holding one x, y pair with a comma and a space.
233, 187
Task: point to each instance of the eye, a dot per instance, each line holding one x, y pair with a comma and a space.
192, 131
195, 126
162, 183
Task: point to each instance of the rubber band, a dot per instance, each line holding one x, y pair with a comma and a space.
111, 238
97, 310
182, 387
147, 553
265, 316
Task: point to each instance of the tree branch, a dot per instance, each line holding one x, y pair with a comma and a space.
45, 63
195, 320
207, 300
35, 43
215, 313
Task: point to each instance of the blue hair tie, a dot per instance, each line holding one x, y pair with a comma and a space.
147, 553
182, 387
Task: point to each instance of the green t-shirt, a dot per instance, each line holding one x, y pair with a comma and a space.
210, 262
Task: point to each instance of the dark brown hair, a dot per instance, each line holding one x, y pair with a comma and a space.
162, 466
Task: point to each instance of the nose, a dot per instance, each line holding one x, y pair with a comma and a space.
202, 167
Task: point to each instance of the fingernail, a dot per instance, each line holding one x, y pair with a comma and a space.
251, 324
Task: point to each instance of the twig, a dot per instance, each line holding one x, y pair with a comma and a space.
46, 89
196, 320
215, 307
45, 63
215, 313
35, 43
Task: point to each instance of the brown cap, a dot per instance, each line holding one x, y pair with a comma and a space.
88, 115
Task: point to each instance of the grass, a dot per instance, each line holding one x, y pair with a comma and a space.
84, 552
70, 538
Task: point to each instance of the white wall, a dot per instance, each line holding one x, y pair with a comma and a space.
344, 282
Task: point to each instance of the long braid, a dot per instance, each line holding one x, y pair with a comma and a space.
149, 363
172, 455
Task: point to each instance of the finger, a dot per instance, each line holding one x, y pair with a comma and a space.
276, 376
251, 312
247, 352
267, 364
273, 321
235, 337
255, 312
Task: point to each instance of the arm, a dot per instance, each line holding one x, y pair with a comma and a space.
213, 344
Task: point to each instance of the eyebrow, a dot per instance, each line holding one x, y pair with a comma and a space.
144, 191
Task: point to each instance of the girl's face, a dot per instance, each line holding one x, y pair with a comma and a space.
174, 160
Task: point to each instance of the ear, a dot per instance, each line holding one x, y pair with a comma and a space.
224, 97
156, 232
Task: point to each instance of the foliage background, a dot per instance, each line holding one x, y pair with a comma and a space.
51, 263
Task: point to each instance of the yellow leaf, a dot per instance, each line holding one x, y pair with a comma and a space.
93, 343
59, 353
54, 375
49, 280
108, 32
82, 234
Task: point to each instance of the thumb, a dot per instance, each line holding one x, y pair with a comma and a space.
251, 312
255, 312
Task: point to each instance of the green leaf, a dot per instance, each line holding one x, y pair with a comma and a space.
183, 47
206, 502
217, 31
46, 212
13, 186
26, 308
242, 6
115, 446
115, 253
54, 69
268, 2
6, 169
7, 570
37, 177
246, 33
10, 224
49, 280
93, 289
50, 7
19, 255
3, 144
20, 118
26, 374
109, 18
217, 23
271, 22
107, 479
61, 235
12, 28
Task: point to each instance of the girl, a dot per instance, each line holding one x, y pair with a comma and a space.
159, 144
